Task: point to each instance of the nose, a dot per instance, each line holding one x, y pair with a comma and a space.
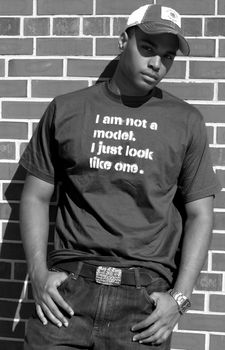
155, 62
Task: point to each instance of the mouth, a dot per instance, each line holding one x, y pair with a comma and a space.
150, 77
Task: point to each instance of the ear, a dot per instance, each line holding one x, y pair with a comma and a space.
123, 40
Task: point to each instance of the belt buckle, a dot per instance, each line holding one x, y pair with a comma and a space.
109, 276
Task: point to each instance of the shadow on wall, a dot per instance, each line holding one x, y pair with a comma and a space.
109, 70
16, 301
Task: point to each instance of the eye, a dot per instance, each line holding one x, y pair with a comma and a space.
147, 50
169, 57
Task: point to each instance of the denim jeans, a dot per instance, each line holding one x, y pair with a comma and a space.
103, 317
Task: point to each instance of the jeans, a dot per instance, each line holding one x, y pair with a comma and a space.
103, 317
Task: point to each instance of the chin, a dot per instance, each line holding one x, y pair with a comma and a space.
144, 88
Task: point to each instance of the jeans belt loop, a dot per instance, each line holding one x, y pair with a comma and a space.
78, 270
137, 277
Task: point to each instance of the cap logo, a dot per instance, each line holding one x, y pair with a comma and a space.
170, 15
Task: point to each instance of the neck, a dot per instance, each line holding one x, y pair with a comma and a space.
120, 86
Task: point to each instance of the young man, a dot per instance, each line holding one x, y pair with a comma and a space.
121, 151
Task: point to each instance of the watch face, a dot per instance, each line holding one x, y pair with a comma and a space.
185, 305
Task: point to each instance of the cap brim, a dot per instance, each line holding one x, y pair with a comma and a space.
159, 28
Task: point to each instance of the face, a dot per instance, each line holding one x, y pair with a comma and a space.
144, 61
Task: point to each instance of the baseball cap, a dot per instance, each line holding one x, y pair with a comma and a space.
158, 19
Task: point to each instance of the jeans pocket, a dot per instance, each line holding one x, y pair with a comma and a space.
147, 297
157, 285
66, 283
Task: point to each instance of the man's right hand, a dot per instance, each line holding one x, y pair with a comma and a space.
48, 299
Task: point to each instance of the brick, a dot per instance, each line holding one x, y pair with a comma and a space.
192, 26
219, 222
221, 47
12, 251
210, 133
221, 175
126, 6
13, 88
191, 7
2, 68
7, 150
11, 344
221, 92
177, 70
7, 329
16, 46
190, 91
107, 47
207, 70
66, 26
30, 110
219, 201
9, 26
214, 26
217, 342
9, 211
217, 303
65, 46
30, 292
212, 113
96, 26
18, 7
188, 341
13, 130
202, 47
35, 67
23, 146
20, 270
11, 231
86, 67
64, 7
11, 170
118, 7
221, 135
209, 282
218, 156
9, 308
36, 26
10, 289
12, 191
221, 7
5, 270
197, 302
119, 24
202, 322
51, 88
218, 261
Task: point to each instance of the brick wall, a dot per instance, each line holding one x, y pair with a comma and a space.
49, 47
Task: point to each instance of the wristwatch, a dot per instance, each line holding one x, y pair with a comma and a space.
182, 301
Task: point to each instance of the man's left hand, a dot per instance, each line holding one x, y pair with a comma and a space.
158, 326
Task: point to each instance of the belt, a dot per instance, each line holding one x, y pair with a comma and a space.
109, 275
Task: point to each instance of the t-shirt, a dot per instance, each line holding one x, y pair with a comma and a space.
120, 161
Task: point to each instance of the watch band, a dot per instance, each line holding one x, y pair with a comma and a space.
182, 301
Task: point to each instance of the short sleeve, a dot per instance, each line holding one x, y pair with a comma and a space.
197, 178
39, 157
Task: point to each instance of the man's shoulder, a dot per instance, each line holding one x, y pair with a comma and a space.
182, 105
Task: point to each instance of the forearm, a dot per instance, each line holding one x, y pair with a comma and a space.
197, 237
34, 226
